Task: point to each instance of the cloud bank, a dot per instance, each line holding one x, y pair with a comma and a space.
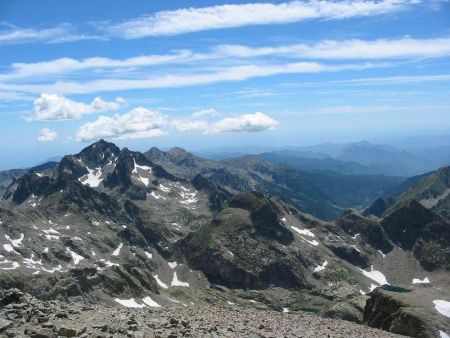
142, 123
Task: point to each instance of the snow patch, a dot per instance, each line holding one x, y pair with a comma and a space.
355, 247
382, 254
148, 254
108, 263
442, 306
92, 179
188, 197
150, 302
426, 280
117, 251
58, 268
442, 334
14, 265
156, 196
285, 310
144, 180
176, 282
164, 188
305, 232
9, 248
129, 303
375, 275
172, 265
76, 257
16, 243
50, 231
321, 267
160, 282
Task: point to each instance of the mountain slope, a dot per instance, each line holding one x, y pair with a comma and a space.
324, 195
112, 226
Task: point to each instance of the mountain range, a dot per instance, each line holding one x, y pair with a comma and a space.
154, 229
356, 158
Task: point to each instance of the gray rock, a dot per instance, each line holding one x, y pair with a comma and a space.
43, 333
5, 324
67, 332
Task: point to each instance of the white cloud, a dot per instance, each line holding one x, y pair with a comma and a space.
144, 123
403, 48
68, 65
47, 135
206, 112
243, 123
58, 34
21, 35
57, 107
136, 124
226, 74
349, 49
236, 15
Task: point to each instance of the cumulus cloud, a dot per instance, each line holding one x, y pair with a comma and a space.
47, 135
136, 124
56, 107
243, 123
236, 15
240, 123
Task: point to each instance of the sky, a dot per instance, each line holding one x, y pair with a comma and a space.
214, 74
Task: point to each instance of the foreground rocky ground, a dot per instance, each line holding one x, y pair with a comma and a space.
22, 315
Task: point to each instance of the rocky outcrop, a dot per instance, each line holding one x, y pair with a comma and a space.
404, 311
218, 197
370, 231
378, 207
427, 234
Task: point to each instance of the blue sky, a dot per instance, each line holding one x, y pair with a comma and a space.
208, 74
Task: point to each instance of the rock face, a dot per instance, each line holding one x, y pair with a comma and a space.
378, 207
404, 311
371, 231
416, 228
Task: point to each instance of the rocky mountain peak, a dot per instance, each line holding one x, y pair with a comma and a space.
155, 154
182, 157
100, 152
